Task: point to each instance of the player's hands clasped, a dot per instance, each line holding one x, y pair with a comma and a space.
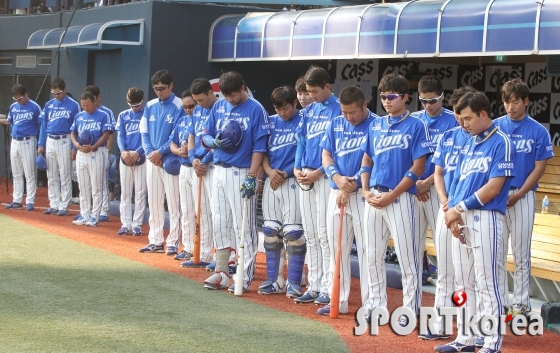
277, 178
199, 167
249, 187
345, 183
155, 158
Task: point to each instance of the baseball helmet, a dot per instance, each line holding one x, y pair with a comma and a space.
141, 159
171, 164
40, 162
85, 138
233, 131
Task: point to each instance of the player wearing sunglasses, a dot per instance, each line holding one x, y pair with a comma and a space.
445, 161
395, 156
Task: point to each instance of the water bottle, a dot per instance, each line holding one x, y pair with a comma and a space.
544, 209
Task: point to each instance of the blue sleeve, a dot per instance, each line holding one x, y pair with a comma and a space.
299, 152
146, 143
121, 133
208, 157
290, 170
42, 131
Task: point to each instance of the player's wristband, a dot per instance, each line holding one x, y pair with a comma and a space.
472, 203
363, 169
192, 155
332, 170
322, 169
410, 175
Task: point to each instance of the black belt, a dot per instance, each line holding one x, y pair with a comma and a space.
381, 188
22, 138
57, 137
224, 165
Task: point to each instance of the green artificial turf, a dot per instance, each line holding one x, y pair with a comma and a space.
58, 295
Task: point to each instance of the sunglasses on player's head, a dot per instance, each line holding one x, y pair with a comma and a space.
160, 88
431, 100
135, 104
390, 96
189, 106
462, 239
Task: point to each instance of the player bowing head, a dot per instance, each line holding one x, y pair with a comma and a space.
162, 83
430, 91
515, 95
394, 93
474, 111
317, 83
87, 102
233, 88
58, 89
188, 102
202, 93
285, 102
303, 96
353, 105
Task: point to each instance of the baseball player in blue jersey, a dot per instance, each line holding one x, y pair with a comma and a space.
23, 116
397, 147
54, 139
427, 203
203, 99
91, 159
450, 278
179, 146
303, 97
132, 167
342, 160
281, 209
532, 144
160, 116
315, 184
476, 208
236, 166
104, 216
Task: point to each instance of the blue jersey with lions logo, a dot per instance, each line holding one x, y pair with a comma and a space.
447, 153
394, 143
485, 156
532, 143
282, 143
344, 141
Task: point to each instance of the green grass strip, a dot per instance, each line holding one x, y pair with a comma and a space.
58, 295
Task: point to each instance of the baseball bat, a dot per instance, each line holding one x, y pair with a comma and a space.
335, 297
196, 249
241, 255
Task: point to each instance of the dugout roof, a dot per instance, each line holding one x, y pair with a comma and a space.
126, 32
415, 29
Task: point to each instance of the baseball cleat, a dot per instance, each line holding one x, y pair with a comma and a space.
479, 341
428, 336
49, 210
171, 250
80, 221
30, 207
293, 290
325, 311
136, 231
269, 287
322, 299
191, 264
184, 256
92, 222
152, 248
103, 218
231, 289
454, 347
216, 281
124, 231
62, 212
14, 206
308, 297
76, 217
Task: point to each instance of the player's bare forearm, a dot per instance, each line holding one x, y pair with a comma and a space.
175, 149
191, 142
405, 183
533, 177
266, 165
256, 161
74, 140
490, 190
440, 184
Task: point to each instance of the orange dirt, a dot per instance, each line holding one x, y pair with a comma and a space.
104, 237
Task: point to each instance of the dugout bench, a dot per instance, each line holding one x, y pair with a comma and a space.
545, 245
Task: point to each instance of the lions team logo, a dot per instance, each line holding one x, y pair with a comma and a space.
293, 186
396, 201
325, 176
363, 199
236, 173
476, 218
